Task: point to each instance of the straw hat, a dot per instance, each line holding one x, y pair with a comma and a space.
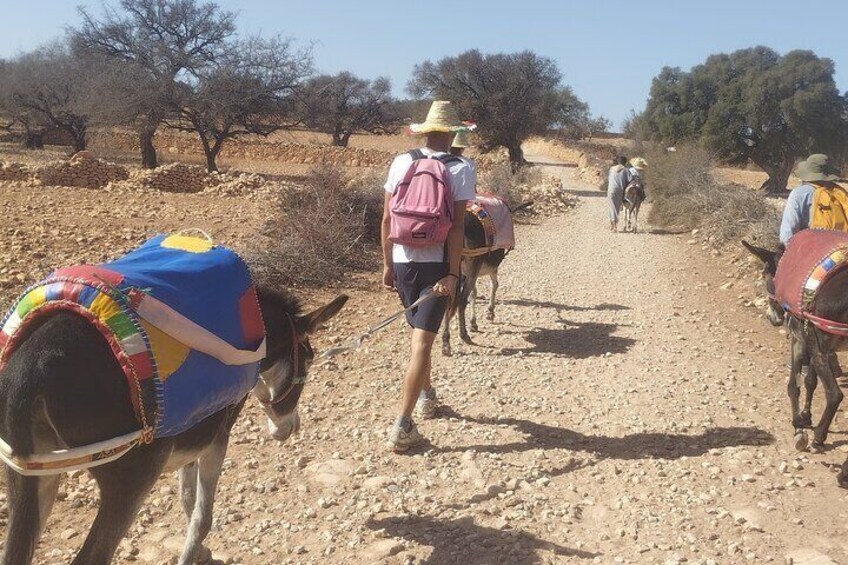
816, 167
461, 141
441, 117
638, 163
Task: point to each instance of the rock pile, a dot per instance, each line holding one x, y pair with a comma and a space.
82, 170
174, 177
548, 197
14, 172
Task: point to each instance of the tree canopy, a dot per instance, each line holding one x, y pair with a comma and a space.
751, 104
510, 96
343, 104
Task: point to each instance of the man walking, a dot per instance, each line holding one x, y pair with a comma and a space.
422, 250
619, 178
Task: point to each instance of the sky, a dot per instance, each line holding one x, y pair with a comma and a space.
608, 51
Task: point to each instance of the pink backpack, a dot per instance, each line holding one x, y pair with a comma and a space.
421, 206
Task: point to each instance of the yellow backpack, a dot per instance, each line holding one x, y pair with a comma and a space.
830, 207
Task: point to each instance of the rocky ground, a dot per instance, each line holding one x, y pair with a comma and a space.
625, 407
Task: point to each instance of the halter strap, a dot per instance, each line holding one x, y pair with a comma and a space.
295, 359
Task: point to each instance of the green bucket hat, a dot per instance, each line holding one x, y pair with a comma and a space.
816, 167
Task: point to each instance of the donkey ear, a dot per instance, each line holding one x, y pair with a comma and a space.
769, 258
309, 323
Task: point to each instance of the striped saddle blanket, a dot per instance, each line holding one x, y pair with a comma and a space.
181, 316
810, 259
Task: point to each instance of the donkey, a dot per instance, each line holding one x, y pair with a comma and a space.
634, 195
64, 388
811, 349
474, 267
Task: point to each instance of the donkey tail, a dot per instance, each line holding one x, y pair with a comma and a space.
22, 408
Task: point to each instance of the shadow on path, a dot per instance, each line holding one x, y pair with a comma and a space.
587, 193
560, 307
579, 341
633, 446
463, 542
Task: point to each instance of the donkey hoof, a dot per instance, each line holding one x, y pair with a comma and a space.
446, 351
842, 479
817, 447
466, 338
474, 328
801, 440
490, 316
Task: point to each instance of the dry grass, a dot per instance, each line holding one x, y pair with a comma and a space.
686, 195
323, 232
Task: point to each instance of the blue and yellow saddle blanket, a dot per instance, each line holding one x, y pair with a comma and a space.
180, 314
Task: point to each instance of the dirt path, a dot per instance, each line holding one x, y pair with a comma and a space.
622, 409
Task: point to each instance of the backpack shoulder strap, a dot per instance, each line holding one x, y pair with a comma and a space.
416, 155
447, 159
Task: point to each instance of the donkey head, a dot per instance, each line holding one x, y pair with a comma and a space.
283, 372
774, 312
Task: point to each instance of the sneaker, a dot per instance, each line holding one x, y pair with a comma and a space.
427, 404
402, 437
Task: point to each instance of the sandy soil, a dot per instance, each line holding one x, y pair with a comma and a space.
623, 408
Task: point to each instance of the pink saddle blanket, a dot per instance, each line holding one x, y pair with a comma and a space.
500, 231
811, 258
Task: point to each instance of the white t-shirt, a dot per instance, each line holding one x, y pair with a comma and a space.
464, 186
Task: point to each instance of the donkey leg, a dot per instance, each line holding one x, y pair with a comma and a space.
207, 473
124, 485
473, 303
464, 294
449, 313
811, 381
833, 394
30, 502
188, 488
490, 313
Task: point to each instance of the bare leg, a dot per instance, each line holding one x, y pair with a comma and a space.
207, 473
418, 371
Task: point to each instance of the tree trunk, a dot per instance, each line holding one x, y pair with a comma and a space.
34, 139
148, 151
80, 138
211, 152
778, 176
516, 156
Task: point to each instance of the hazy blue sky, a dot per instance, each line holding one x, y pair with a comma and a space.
608, 51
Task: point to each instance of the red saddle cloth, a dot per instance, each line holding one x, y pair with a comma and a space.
811, 257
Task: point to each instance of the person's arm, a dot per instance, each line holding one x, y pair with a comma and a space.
792, 220
448, 285
385, 226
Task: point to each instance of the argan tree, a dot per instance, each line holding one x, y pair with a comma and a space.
344, 104
751, 104
165, 41
48, 89
247, 91
510, 96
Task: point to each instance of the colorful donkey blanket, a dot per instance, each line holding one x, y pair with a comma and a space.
496, 218
181, 316
811, 257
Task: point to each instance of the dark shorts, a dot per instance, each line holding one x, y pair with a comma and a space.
411, 280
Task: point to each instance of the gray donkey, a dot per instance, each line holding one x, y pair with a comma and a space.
812, 352
64, 388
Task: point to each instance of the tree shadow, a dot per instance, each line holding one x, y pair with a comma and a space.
464, 542
580, 341
633, 446
561, 165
